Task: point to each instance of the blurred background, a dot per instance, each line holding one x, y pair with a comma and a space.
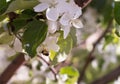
106, 56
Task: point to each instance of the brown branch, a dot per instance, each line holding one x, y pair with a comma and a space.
108, 77
51, 68
12, 68
82, 3
90, 56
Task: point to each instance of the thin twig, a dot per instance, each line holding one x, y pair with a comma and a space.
62, 64
90, 56
49, 65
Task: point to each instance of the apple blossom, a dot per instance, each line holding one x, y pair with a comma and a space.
64, 12
50, 43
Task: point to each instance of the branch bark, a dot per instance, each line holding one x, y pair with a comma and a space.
90, 56
108, 77
82, 3
12, 68
52, 69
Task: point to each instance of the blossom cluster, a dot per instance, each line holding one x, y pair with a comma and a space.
61, 14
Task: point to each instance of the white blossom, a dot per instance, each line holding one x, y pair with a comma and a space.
64, 12
62, 57
50, 43
52, 7
52, 26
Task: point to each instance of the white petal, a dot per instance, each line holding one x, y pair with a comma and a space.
52, 14
52, 26
66, 30
74, 10
51, 43
54, 47
41, 7
62, 57
62, 7
65, 20
77, 23
78, 12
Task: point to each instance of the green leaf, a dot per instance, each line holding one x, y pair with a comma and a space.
29, 12
117, 11
117, 29
65, 47
3, 6
23, 19
22, 4
18, 24
73, 36
107, 15
108, 39
72, 74
34, 35
65, 44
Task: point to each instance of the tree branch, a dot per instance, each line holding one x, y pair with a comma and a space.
51, 68
108, 77
90, 56
12, 68
82, 3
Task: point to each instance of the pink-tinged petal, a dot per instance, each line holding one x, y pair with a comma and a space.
65, 20
77, 23
52, 14
66, 30
41, 7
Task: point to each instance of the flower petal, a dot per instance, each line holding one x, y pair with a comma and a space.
77, 23
66, 30
62, 57
41, 7
74, 10
65, 20
78, 12
54, 47
52, 26
52, 14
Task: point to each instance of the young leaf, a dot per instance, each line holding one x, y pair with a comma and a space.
65, 47
72, 74
34, 35
73, 36
21, 4
52, 55
65, 44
